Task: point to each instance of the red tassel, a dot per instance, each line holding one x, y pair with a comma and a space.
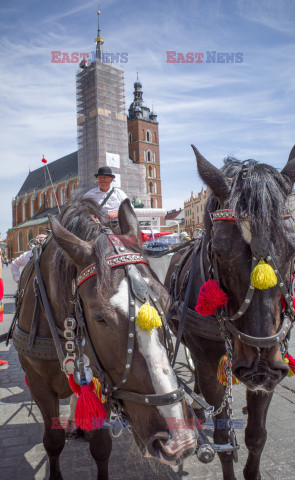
90, 412
74, 386
291, 362
3, 362
44, 160
210, 298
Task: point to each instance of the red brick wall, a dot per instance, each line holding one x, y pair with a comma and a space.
17, 215
139, 145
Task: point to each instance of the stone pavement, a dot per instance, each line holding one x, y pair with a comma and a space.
22, 456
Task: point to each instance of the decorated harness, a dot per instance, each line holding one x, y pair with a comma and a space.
68, 345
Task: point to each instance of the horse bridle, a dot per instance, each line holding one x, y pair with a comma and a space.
259, 250
138, 289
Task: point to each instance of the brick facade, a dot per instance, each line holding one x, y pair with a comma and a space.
143, 137
27, 219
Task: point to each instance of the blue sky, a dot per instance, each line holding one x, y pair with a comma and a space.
242, 109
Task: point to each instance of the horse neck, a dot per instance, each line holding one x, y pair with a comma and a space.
57, 282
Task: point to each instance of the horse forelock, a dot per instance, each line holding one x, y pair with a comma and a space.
258, 192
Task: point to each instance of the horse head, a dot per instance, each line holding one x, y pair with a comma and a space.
246, 222
134, 359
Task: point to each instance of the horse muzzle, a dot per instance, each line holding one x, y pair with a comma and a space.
261, 375
172, 448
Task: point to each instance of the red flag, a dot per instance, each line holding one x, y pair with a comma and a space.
44, 160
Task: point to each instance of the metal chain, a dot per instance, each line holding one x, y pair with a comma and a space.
284, 346
228, 396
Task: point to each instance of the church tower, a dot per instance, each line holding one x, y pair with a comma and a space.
143, 136
102, 126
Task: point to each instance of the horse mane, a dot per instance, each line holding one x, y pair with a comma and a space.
258, 192
77, 218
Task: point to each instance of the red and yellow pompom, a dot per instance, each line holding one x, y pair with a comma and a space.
221, 375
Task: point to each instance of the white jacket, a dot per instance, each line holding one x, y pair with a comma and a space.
19, 262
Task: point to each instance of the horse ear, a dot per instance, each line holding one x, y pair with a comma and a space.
78, 250
128, 221
214, 178
289, 169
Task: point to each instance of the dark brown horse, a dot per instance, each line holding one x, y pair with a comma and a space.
147, 391
245, 221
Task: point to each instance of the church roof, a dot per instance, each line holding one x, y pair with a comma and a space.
138, 108
170, 215
61, 170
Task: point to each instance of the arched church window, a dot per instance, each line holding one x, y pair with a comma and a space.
130, 137
151, 190
24, 210
150, 170
30, 235
149, 156
148, 136
62, 196
32, 206
20, 242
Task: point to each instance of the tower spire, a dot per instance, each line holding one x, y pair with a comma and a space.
99, 42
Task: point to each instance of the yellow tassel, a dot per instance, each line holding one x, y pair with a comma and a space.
148, 317
263, 276
290, 373
97, 389
221, 375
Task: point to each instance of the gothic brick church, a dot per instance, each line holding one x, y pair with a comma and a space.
134, 144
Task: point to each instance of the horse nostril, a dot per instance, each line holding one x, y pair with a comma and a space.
154, 444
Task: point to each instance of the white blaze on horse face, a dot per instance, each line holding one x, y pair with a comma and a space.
120, 300
161, 372
246, 231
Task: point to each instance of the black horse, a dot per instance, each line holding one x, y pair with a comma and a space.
245, 222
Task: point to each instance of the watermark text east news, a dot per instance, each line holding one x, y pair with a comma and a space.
75, 57
203, 57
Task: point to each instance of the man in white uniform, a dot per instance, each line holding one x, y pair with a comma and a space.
108, 197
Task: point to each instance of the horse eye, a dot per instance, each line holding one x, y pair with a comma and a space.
98, 319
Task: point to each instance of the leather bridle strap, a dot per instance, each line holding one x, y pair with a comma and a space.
113, 261
186, 300
154, 400
249, 295
50, 319
260, 342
